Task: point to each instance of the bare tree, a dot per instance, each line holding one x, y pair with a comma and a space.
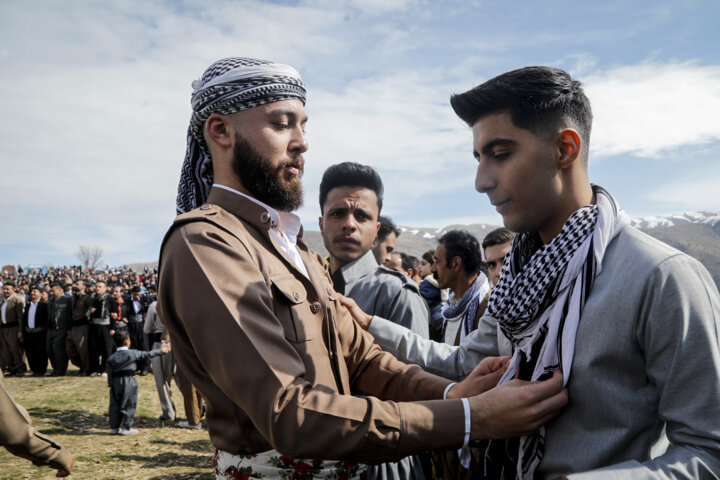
90, 257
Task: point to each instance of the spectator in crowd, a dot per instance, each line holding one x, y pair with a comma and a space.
193, 401
100, 341
163, 367
394, 261
35, 324
386, 240
77, 336
60, 319
136, 312
411, 267
458, 266
435, 297
12, 307
496, 245
119, 310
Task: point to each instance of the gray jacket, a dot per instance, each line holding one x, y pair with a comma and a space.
384, 292
647, 356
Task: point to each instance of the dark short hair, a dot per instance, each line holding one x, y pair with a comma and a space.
386, 227
461, 243
498, 237
136, 289
537, 98
351, 174
429, 256
34, 287
120, 336
409, 261
56, 284
9, 283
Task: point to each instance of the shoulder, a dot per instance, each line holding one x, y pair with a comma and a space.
638, 253
394, 279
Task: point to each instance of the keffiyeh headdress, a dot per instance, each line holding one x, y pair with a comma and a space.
228, 86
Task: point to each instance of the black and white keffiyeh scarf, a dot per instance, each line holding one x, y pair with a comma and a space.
539, 299
228, 86
466, 308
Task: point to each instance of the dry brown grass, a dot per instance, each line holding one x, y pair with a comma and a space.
73, 411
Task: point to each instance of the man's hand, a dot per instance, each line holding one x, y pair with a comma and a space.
484, 377
165, 347
516, 408
360, 317
63, 471
20, 336
114, 315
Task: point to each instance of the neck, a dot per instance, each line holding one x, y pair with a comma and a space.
574, 199
335, 264
462, 284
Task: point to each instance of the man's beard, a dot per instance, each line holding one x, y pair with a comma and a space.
265, 181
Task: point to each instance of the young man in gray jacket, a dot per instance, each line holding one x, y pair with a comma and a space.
631, 322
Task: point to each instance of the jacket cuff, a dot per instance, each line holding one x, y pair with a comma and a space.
431, 425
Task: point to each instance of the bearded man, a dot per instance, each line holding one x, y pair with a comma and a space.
257, 327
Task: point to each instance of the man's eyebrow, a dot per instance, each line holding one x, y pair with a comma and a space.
494, 143
289, 113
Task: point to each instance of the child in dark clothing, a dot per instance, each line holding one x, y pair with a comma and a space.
121, 368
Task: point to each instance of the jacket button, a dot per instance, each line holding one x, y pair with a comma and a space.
330, 291
296, 295
315, 307
265, 217
204, 206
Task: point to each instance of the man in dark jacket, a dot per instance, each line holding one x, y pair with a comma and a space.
60, 318
35, 323
76, 344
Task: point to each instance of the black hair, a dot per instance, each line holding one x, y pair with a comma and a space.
120, 336
136, 289
386, 227
56, 284
351, 174
497, 237
461, 243
9, 283
429, 256
537, 98
409, 261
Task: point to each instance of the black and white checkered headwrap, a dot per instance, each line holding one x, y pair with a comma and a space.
539, 298
228, 86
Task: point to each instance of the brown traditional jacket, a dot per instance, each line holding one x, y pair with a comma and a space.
14, 310
277, 356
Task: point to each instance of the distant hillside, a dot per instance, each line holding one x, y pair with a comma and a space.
696, 233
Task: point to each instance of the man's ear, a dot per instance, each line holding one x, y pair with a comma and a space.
320, 223
457, 264
219, 130
569, 145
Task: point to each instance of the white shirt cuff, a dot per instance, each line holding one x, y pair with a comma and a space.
466, 407
447, 389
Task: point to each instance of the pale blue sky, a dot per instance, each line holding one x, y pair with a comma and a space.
95, 104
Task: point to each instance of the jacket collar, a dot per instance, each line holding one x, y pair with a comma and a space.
358, 268
262, 216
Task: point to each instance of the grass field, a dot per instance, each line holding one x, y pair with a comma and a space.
73, 411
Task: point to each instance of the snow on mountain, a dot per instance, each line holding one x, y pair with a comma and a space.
709, 218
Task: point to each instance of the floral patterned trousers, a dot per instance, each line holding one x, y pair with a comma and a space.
271, 465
